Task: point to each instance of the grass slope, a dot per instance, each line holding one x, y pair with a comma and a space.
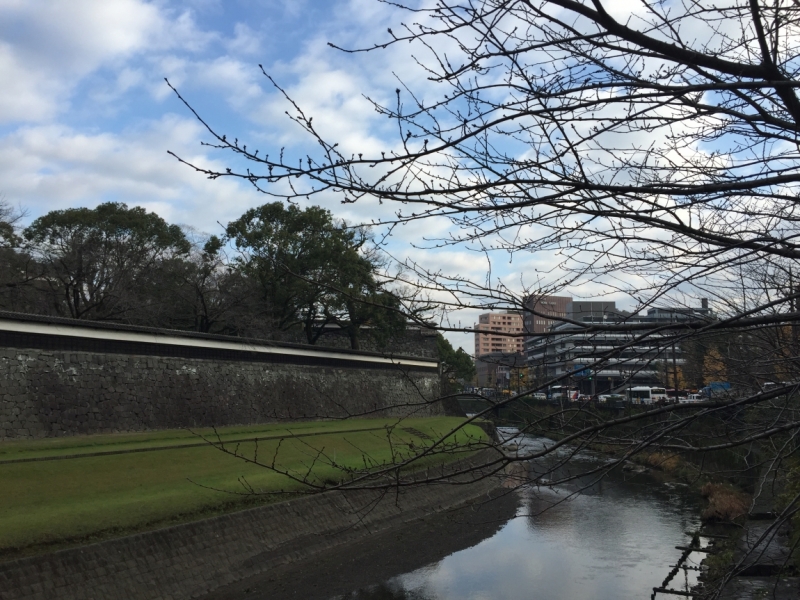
51, 503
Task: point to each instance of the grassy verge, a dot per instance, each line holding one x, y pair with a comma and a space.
47, 504
118, 442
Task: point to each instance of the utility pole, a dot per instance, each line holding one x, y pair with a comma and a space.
793, 308
674, 364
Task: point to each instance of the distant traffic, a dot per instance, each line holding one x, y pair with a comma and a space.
629, 395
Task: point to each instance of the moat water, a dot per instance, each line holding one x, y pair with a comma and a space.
615, 540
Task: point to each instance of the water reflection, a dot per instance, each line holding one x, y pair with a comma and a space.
614, 540
391, 590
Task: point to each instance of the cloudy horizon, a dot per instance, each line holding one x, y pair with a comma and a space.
88, 117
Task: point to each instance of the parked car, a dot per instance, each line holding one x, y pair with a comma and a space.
539, 396
692, 398
605, 398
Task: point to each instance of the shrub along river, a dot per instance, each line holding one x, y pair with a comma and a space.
616, 539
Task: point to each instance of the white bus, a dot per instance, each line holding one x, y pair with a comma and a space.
659, 394
646, 395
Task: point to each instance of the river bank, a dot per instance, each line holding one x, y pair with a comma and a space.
588, 538
751, 550
756, 557
373, 559
584, 540
73, 491
192, 559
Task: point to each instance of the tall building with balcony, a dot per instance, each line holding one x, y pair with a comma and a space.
498, 332
499, 345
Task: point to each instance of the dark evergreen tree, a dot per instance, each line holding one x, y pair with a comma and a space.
98, 263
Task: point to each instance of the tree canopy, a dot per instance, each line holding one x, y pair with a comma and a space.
8, 219
457, 364
312, 270
658, 143
293, 271
650, 152
95, 260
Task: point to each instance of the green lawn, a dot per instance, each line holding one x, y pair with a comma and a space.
89, 444
47, 504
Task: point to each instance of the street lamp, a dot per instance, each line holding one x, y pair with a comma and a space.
626, 378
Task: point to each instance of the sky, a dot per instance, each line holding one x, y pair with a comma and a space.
87, 117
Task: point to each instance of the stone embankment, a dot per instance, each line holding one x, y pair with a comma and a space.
193, 559
63, 377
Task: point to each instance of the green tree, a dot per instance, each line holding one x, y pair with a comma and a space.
18, 271
360, 302
201, 291
214, 290
312, 271
456, 364
8, 221
96, 262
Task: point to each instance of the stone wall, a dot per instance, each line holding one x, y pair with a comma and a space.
187, 561
81, 381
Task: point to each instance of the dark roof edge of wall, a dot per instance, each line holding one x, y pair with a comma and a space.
110, 328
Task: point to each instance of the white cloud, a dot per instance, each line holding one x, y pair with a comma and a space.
26, 96
77, 35
245, 41
239, 82
52, 166
47, 50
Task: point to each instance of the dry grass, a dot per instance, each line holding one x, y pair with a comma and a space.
725, 503
664, 461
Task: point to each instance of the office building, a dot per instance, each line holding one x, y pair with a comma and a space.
542, 312
624, 359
